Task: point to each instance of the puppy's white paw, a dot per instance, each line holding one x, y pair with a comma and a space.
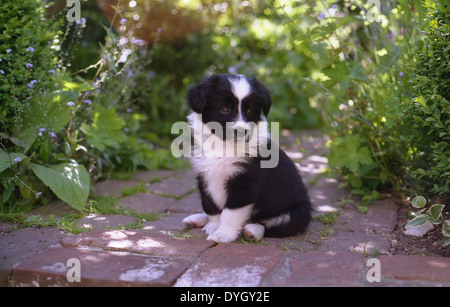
224, 235
253, 232
196, 220
211, 227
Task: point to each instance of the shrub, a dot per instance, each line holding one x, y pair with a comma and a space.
427, 114
27, 53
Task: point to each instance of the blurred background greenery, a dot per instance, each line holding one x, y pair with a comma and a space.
118, 78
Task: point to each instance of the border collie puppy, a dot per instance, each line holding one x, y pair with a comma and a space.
237, 194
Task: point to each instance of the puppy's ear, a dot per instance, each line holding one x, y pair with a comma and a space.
262, 90
198, 94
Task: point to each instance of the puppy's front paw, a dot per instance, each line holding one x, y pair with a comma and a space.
224, 235
196, 220
211, 227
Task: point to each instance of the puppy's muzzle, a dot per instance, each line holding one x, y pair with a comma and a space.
241, 131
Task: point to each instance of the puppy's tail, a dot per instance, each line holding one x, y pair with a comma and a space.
298, 221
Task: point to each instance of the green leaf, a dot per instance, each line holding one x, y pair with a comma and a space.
354, 181
446, 228
7, 159
435, 211
351, 155
106, 129
419, 202
362, 209
372, 196
49, 111
417, 221
69, 181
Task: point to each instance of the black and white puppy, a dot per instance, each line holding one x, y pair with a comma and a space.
237, 194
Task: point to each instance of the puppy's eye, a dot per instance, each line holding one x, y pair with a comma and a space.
250, 111
225, 110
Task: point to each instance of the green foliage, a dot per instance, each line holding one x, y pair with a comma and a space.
59, 132
348, 153
427, 114
69, 181
106, 129
90, 97
433, 214
27, 53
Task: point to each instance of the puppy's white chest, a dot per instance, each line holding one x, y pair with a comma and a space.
216, 172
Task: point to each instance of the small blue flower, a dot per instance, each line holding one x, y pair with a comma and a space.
30, 49
129, 110
52, 134
123, 20
38, 194
88, 101
29, 65
18, 159
334, 6
321, 16
2, 72
8, 50
70, 103
401, 74
51, 71
135, 41
30, 85
41, 130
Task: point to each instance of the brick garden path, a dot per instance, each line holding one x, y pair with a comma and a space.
164, 253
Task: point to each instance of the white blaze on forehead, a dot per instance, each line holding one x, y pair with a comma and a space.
240, 87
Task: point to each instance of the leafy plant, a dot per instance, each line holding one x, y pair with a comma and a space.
348, 153
427, 112
432, 214
69, 181
59, 131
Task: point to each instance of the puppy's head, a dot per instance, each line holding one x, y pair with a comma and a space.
230, 99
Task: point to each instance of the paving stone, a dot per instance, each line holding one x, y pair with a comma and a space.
168, 224
6, 228
186, 174
357, 242
16, 246
98, 268
101, 221
424, 268
113, 187
300, 243
146, 203
175, 187
139, 241
188, 204
152, 176
381, 217
312, 142
317, 268
231, 265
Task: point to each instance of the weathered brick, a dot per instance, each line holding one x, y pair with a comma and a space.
424, 268
98, 268
17, 246
139, 241
231, 265
146, 203
319, 269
